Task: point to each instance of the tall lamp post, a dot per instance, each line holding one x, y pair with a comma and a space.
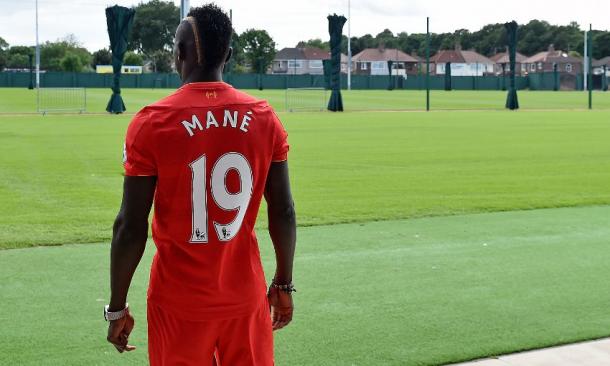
349, 45
37, 51
185, 6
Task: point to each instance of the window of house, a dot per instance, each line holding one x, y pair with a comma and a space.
533, 67
315, 64
569, 67
378, 65
295, 64
363, 66
539, 65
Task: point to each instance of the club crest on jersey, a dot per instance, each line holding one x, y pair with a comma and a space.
230, 119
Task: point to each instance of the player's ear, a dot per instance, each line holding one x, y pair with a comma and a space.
180, 51
229, 54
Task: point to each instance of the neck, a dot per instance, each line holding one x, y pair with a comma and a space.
203, 76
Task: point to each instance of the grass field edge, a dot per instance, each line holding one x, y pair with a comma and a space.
108, 238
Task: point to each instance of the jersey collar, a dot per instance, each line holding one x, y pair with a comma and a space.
207, 85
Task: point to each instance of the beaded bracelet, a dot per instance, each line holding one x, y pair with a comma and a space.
287, 288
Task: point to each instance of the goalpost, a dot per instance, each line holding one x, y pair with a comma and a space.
61, 100
306, 99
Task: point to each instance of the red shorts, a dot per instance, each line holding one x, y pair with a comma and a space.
243, 341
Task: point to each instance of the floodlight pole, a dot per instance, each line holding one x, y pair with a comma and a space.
349, 45
585, 68
185, 6
37, 51
590, 66
427, 63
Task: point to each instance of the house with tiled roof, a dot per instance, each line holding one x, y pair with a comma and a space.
598, 66
546, 61
374, 61
463, 63
299, 61
502, 63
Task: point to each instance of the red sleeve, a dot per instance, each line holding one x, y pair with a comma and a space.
280, 144
138, 159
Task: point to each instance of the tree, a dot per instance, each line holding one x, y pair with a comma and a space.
3, 47
52, 53
71, 63
238, 58
162, 61
17, 57
316, 42
3, 44
490, 39
385, 39
154, 26
259, 49
534, 37
101, 57
566, 37
133, 59
601, 44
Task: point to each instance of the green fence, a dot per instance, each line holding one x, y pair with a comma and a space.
536, 81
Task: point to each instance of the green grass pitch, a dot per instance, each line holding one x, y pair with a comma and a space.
414, 246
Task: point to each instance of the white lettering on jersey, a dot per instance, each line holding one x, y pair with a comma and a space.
245, 122
211, 120
191, 126
230, 120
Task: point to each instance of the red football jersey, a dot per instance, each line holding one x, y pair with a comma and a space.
210, 147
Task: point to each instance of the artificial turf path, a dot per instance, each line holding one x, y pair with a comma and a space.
416, 292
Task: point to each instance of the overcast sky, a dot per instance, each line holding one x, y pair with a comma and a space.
290, 21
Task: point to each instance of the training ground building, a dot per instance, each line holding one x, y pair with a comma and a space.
375, 61
463, 63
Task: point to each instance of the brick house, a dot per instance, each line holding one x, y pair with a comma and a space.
503, 58
299, 61
545, 61
374, 61
598, 66
463, 63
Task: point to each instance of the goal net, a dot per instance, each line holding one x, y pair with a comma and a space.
61, 100
306, 99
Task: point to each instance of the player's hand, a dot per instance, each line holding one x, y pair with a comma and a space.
281, 306
118, 333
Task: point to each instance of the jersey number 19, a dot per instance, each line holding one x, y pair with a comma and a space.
220, 194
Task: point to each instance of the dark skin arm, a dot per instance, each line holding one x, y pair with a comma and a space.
129, 236
282, 229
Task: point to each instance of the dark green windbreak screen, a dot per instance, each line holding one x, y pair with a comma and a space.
511, 31
335, 28
120, 21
